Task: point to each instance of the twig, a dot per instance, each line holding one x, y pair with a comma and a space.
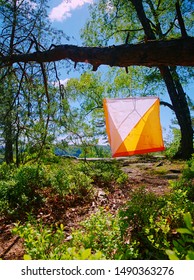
9, 248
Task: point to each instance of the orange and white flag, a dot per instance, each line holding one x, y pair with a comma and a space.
133, 125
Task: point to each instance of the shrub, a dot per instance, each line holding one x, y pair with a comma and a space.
33, 176
135, 217
48, 243
19, 193
77, 178
68, 179
188, 172
150, 221
183, 246
186, 181
105, 173
6, 188
6, 171
173, 147
100, 232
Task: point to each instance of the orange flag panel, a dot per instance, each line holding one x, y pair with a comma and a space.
133, 125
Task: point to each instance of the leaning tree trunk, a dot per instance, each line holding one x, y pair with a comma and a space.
181, 109
175, 91
9, 139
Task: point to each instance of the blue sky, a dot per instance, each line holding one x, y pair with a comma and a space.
70, 16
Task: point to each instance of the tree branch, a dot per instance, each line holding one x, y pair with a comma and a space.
174, 52
164, 103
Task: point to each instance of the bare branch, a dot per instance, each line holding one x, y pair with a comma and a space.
164, 103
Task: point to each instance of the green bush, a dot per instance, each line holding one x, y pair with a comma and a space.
188, 172
33, 176
186, 181
6, 188
98, 237
173, 147
105, 173
20, 192
43, 242
100, 232
150, 221
20, 188
78, 178
184, 246
68, 179
134, 219
6, 171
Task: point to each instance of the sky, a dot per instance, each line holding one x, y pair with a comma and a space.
64, 9
70, 16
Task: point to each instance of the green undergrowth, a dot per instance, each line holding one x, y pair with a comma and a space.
146, 230
147, 227
48, 243
183, 247
21, 189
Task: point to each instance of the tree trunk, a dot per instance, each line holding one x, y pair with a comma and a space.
175, 91
181, 109
8, 141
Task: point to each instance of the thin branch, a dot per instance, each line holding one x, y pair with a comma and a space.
125, 30
164, 103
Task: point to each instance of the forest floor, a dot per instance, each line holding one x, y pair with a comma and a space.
154, 175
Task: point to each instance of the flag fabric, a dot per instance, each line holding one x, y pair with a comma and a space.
133, 125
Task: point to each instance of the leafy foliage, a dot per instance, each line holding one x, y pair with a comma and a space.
22, 188
186, 181
173, 146
184, 246
105, 173
19, 193
100, 232
69, 179
148, 226
47, 243
150, 221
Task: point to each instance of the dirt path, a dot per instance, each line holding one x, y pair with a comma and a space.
153, 175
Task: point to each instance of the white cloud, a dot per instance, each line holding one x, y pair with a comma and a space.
62, 82
64, 10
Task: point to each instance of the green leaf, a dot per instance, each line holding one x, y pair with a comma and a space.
184, 230
61, 226
188, 220
27, 257
172, 255
86, 254
190, 255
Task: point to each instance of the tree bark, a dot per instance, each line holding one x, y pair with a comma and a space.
8, 141
181, 110
175, 52
174, 87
